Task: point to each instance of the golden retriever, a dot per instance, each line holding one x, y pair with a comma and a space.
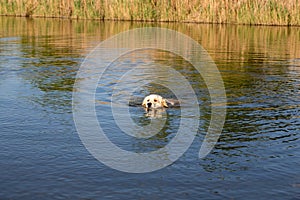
154, 101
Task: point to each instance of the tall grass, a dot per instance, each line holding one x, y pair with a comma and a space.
260, 12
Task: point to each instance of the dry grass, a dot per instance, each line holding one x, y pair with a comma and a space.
259, 12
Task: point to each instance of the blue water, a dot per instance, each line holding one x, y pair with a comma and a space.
42, 156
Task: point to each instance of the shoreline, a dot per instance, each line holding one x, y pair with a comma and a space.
238, 12
143, 21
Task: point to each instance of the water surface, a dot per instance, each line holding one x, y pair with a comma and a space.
42, 157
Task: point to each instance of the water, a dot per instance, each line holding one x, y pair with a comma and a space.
42, 157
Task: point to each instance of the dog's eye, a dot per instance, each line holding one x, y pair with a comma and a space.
148, 100
155, 100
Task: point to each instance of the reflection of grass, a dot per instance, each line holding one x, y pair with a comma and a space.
56, 44
240, 41
269, 12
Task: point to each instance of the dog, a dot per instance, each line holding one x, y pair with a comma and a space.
155, 105
154, 101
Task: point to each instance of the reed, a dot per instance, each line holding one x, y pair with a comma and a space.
256, 12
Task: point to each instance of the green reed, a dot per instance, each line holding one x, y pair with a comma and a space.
258, 12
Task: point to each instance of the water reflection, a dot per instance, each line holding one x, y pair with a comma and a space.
255, 61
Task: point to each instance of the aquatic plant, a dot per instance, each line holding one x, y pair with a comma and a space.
255, 12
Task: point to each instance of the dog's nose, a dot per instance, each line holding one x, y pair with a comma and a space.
149, 104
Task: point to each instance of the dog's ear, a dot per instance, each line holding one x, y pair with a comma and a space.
164, 103
144, 103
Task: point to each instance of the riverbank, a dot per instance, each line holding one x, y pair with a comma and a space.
251, 12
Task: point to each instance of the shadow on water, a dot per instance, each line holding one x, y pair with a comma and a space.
258, 149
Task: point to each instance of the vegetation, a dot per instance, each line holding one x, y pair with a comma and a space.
258, 12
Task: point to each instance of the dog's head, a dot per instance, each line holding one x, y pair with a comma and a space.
154, 101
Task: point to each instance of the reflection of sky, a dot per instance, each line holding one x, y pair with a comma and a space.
26, 71
13, 88
11, 57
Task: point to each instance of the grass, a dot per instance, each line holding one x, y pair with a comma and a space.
254, 12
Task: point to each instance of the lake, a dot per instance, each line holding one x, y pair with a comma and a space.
43, 156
